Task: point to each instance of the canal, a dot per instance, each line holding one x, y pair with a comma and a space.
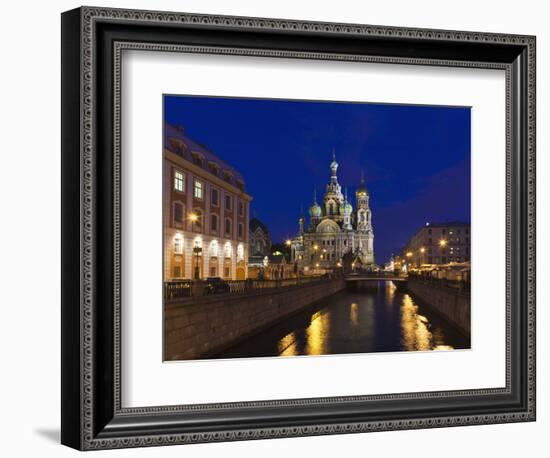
377, 319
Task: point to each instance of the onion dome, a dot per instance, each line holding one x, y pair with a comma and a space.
348, 208
315, 209
333, 164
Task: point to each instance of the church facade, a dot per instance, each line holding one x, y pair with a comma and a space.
336, 232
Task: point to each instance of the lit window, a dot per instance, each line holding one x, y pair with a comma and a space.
199, 191
179, 181
240, 252
214, 248
178, 245
227, 250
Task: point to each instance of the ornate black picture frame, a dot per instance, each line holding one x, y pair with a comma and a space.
92, 42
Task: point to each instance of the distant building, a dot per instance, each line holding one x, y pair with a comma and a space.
259, 248
260, 240
206, 212
278, 268
440, 243
336, 231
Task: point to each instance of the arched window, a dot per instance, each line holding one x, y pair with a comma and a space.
214, 222
178, 244
196, 219
240, 252
227, 250
214, 248
259, 246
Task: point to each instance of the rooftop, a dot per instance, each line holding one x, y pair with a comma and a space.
255, 223
179, 143
448, 224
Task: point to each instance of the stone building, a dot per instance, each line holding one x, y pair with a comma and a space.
335, 230
206, 212
440, 243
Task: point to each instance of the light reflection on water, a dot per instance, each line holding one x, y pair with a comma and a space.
375, 320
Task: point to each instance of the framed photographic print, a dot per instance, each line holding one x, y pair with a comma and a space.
277, 228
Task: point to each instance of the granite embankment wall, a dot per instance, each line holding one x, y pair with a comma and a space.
200, 326
452, 304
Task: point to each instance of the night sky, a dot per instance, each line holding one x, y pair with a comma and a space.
416, 159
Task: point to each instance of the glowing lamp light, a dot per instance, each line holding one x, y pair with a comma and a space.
288, 242
422, 250
193, 217
442, 242
409, 254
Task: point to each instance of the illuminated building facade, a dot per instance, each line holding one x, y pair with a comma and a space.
206, 212
440, 243
335, 229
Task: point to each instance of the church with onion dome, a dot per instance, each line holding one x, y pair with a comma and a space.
337, 232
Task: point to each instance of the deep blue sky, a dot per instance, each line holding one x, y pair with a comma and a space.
416, 159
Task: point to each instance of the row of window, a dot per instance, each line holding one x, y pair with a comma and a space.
328, 242
198, 192
197, 221
445, 260
452, 250
214, 248
198, 159
451, 231
177, 273
454, 240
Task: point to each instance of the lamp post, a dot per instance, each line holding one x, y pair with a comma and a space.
442, 244
315, 248
288, 244
193, 218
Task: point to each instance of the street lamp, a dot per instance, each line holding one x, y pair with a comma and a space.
442, 242
193, 217
315, 248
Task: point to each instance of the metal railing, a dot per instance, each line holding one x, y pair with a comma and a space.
462, 286
174, 290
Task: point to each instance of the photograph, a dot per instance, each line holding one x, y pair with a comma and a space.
313, 227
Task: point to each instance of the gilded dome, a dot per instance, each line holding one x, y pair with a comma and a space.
348, 208
315, 210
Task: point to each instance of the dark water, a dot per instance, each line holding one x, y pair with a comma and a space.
379, 319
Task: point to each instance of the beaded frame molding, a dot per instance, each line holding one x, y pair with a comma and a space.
93, 40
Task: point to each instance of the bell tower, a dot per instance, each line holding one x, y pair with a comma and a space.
364, 222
